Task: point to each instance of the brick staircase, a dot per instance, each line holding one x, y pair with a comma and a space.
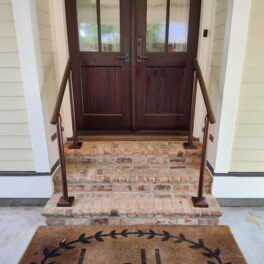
132, 182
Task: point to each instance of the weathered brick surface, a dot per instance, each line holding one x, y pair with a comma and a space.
137, 152
86, 178
132, 183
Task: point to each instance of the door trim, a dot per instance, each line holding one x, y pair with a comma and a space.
133, 66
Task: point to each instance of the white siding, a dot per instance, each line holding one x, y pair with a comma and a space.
248, 145
15, 143
47, 55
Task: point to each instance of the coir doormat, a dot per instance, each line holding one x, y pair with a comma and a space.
133, 245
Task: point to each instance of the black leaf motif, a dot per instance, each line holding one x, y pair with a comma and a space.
98, 233
33, 263
166, 233
140, 233
152, 234
54, 254
99, 239
208, 255
83, 239
113, 234
124, 233
201, 243
97, 236
210, 262
52, 263
216, 253
46, 252
82, 236
165, 238
196, 246
182, 236
65, 246
178, 241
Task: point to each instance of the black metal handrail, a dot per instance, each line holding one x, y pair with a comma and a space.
65, 200
200, 200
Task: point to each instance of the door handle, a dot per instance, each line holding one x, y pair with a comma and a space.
139, 51
126, 58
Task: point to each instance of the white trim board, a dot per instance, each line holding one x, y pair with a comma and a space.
238, 187
26, 187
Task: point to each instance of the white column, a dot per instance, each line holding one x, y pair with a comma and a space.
32, 75
230, 81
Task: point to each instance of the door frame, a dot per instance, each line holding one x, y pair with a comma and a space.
59, 27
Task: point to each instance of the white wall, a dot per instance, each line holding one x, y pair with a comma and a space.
238, 187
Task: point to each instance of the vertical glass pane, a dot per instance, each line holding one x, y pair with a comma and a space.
178, 27
110, 25
87, 24
156, 25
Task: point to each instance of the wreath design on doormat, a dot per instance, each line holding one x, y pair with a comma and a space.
212, 255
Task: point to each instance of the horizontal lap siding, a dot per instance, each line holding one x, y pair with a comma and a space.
248, 145
47, 58
217, 53
15, 144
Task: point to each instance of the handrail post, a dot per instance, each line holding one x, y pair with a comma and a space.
189, 144
200, 200
65, 200
75, 144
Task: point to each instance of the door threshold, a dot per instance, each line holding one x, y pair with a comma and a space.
133, 137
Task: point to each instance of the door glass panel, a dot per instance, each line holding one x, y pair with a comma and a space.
178, 27
110, 25
156, 25
87, 25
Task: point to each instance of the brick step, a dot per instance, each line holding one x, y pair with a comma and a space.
133, 178
170, 153
121, 209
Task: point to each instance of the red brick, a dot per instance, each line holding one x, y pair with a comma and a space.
123, 160
55, 222
99, 221
209, 221
187, 221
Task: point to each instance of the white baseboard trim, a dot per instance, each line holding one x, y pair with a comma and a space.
238, 187
26, 186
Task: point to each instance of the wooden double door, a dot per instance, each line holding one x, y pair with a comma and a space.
133, 63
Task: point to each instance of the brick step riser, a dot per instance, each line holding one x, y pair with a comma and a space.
148, 161
134, 189
113, 221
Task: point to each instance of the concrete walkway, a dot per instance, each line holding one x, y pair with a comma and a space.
18, 224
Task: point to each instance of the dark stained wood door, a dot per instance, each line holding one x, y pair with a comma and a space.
167, 39
99, 40
133, 63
